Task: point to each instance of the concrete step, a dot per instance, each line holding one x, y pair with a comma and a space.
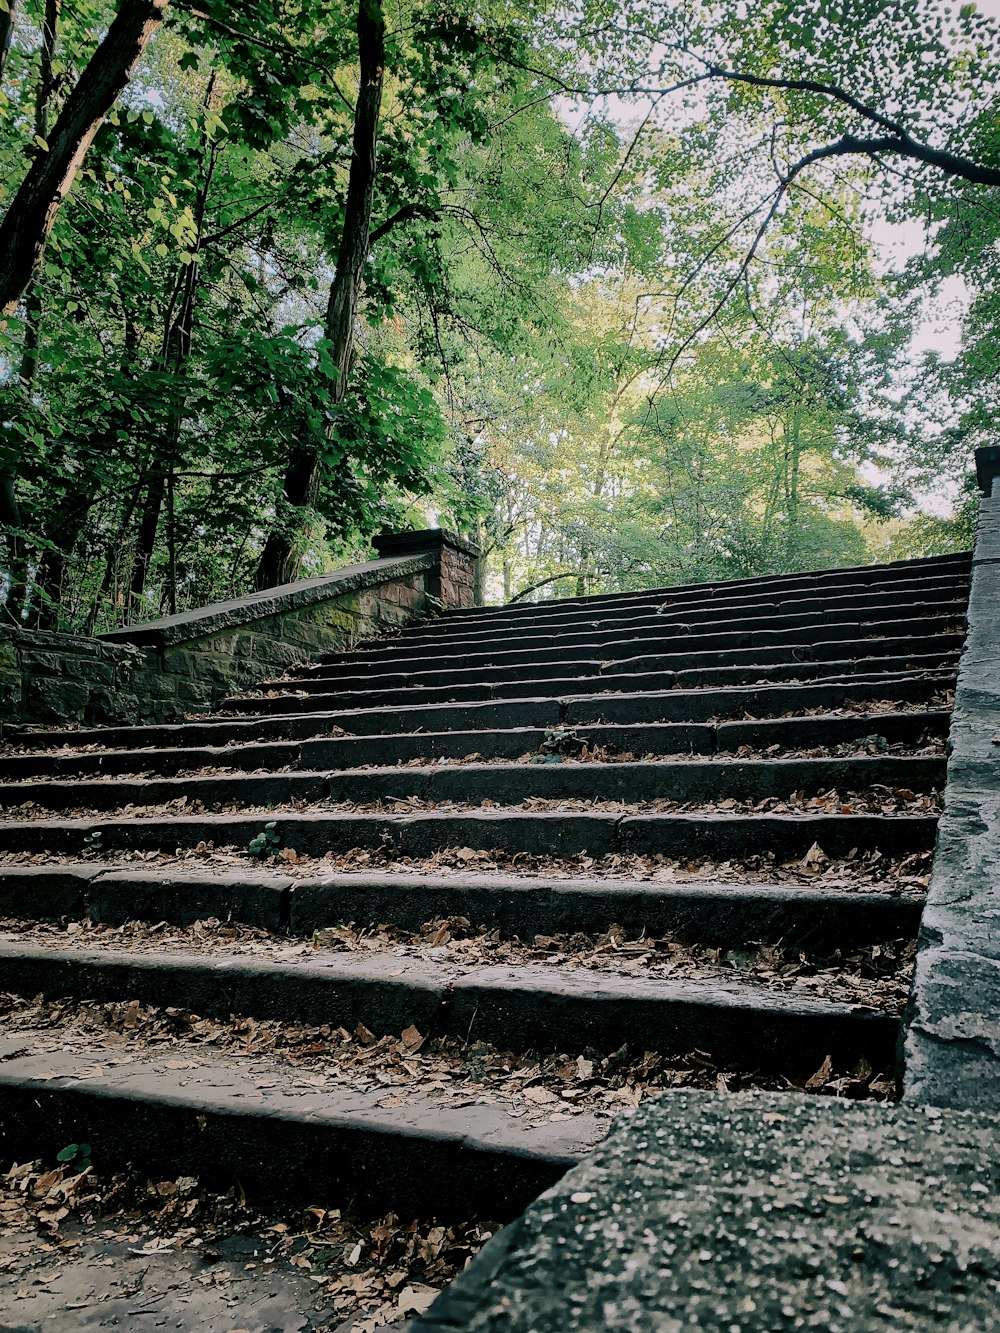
257, 1122
657, 738
546, 833
626, 659
664, 706
548, 1008
718, 915
500, 783
704, 677
563, 639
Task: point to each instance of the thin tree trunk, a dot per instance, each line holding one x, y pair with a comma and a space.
17, 590
175, 352
795, 452
6, 32
32, 211
279, 560
115, 550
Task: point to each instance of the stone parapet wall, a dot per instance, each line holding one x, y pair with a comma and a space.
68, 677
951, 1044
163, 669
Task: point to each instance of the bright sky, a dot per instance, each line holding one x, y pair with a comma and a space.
941, 327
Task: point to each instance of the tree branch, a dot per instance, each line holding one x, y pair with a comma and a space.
897, 140
533, 587
31, 213
949, 163
404, 214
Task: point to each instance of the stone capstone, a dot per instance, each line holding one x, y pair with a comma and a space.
751, 1214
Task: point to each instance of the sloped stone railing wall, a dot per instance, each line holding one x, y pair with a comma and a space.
187, 663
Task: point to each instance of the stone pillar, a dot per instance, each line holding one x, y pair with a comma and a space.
987, 467
454, 584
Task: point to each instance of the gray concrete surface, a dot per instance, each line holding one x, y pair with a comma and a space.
753, 1214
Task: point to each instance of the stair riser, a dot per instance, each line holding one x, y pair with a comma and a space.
540, 1016
401, 656
280, 1162
620, 709
503, 784
718, 916
676, 836
696, 678
764, 701
632, 661
355, 752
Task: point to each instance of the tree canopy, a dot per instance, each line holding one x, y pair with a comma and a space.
606, 291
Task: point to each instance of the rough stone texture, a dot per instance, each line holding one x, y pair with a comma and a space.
67, 677
454, 582
751, 1214
951, 1043
160, 670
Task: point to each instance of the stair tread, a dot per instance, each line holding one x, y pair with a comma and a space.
412, 969
270, 1089
255, 875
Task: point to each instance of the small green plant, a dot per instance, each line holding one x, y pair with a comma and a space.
93, 841
474, 1064
557, 743
266, 843
74, 1158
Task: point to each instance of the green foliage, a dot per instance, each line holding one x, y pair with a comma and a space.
622, 321
265, 844
74, 1158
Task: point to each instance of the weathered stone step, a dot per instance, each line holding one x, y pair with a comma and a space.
616, 644
569, 634
278, 701
624, 659
901, 576
252, 1122
541, 1007
672, 705
720, 836
717, 915
656, 738
502, 783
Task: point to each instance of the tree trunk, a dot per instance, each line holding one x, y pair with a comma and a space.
794, 456
17, 590
32, 211
6, 32
279, 560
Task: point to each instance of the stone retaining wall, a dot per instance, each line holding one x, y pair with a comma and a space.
188, 663
951, 1046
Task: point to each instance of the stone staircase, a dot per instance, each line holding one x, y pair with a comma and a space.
411, 924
